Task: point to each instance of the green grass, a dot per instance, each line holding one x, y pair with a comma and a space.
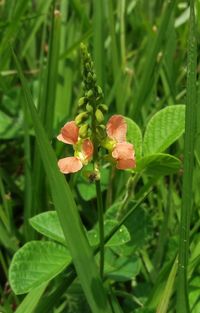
145, 57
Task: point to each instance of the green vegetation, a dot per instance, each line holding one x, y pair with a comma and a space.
101, 239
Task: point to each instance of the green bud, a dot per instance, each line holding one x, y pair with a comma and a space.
103, 108
90, 93
99, 90
89, 77
89, 108
81, 101
83, 131
94, 77
81, 117
99, 116
101, 132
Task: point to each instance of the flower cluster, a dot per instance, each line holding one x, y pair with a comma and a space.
88, 134
120, 151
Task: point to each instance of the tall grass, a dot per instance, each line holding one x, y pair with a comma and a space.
139, 52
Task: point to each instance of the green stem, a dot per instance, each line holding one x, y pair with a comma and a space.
101, 225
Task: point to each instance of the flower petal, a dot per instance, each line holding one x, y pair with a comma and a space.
69, 165
69, 133
87, 148
123, 151
125, 164
116, 128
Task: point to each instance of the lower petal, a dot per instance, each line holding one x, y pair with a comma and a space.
125, 164
70, 165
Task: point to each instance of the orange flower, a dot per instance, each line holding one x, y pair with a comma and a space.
123, 152
83, 149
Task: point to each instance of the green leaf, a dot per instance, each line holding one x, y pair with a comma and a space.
48, 224
121, 268
119, 238
63, 200
31, 300
164, 128
36, 263
134, 136
158, 164
164, 302
10, 127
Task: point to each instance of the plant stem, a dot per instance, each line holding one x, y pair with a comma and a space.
101, 225
187, 193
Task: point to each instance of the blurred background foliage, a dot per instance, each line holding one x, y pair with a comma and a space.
139, 52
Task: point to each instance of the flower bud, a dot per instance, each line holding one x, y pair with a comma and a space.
89, 108
103, 108
81, 117
81, 102
90, 93
83, 130
99, 116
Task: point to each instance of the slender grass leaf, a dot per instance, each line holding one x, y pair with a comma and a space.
188, 166
164, 302
31, 300
165, 127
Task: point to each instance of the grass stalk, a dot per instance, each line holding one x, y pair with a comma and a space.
187, 192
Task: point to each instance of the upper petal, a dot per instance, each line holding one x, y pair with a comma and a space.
69, 133
116, 128
123, 151
87, 148
69, 165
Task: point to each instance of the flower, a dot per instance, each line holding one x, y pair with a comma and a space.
83, 149
122, 151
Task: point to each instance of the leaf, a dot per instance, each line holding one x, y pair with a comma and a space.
164, 128
31, 300
48, 224
164, 302
36, 263
122, 268
120, 237
10, 127
134, 136
158, 164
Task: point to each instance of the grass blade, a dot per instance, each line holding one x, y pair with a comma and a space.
187, 191
145, 84
67, 212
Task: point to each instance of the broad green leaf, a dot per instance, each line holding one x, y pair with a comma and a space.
164, 128
134, 136
63, 200
119, 238
48, 224
36, 263
158, 164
